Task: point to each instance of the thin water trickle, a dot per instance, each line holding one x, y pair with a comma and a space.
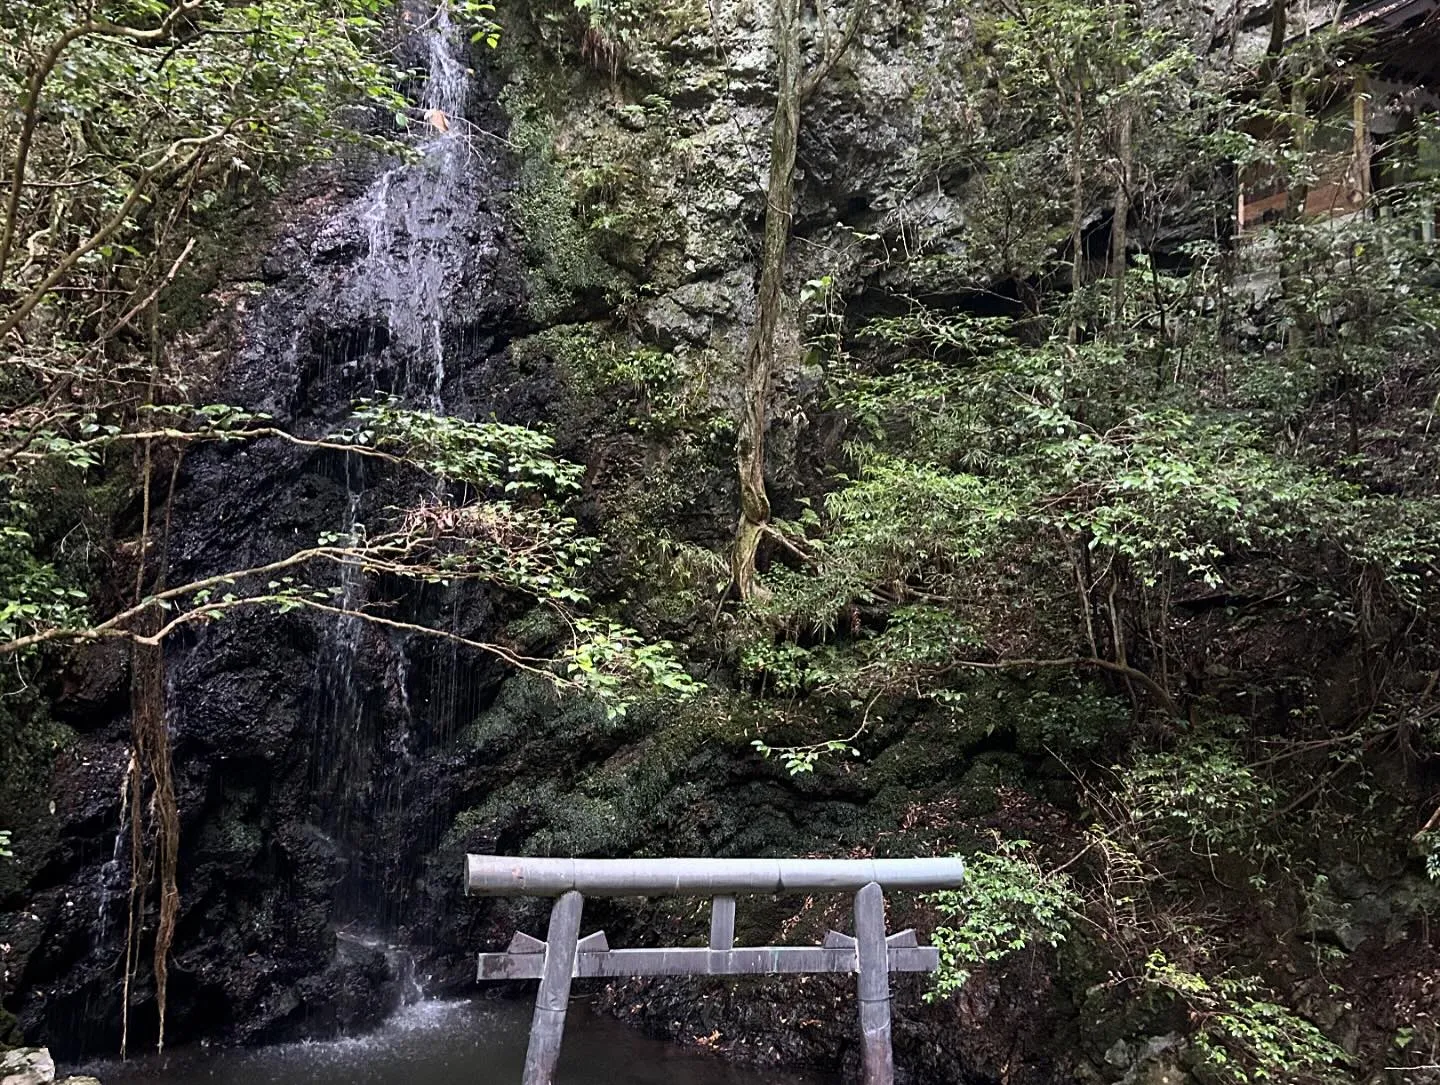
115, 873
342, 730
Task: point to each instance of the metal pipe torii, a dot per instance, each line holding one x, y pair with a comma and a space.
503, 876
871, 954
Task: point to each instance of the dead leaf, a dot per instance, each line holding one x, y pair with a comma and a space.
438, 120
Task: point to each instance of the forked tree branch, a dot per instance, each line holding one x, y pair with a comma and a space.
811, 82
36, 86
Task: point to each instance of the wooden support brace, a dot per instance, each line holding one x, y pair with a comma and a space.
593, 943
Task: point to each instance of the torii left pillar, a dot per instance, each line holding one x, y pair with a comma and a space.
547, 1028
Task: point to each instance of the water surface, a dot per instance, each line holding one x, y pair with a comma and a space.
449, 1043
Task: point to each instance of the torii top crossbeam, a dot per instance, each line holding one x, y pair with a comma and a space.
504, 876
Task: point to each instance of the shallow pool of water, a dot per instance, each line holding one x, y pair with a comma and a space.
448, 1043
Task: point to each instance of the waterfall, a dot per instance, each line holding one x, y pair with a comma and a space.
414, 222
413, 217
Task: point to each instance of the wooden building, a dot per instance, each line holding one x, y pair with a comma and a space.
1356, 143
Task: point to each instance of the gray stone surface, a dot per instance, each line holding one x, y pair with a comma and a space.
27, 1066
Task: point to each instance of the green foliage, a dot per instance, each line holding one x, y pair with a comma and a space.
5, 852
155, 99
1201, 797
1245, 1036
36, 595
1429, 844
607, 657
1009, 902
486, 455
651, 391
562, 263
478, 17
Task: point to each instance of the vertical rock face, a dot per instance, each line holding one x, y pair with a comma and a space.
304, 746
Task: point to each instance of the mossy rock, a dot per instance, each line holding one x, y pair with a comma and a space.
10, 1034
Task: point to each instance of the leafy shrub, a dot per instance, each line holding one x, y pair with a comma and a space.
1201, 794
1008, 903
1245, 1037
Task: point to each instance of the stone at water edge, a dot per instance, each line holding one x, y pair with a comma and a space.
27, 1066
34, 1066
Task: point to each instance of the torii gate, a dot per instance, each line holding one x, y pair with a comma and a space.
565, 955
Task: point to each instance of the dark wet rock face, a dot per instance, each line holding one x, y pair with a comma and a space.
309, 753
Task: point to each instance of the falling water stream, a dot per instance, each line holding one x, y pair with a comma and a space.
412, 219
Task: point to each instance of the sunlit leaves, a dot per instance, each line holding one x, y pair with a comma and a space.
1007, 903
35, 593
605, 658
483, 454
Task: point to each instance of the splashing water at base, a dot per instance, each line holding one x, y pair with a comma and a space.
451, 1043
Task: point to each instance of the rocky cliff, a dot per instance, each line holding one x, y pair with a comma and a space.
581, 252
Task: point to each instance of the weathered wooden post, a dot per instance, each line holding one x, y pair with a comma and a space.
873, 983
870, 954
547, 1028
722, 923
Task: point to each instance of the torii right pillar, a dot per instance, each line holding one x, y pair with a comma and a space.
873, 969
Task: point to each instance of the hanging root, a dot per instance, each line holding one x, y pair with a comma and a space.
150, 757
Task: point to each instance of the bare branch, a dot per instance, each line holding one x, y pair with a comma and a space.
1161, 694
832, 56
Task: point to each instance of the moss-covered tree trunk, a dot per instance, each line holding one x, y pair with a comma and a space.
760, 356
792, 88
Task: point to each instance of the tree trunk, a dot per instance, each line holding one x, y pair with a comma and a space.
1077, 214
760, 357
1119, 229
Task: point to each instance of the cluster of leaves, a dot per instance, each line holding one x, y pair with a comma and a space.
606, 659
652, 391
482, 455
1244, 1035
1009, 902
36, 594
1202, 796
132, 112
